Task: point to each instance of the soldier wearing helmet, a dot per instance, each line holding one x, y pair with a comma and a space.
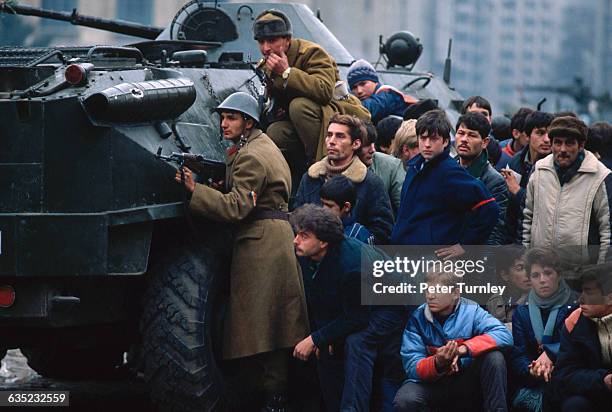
266, 289
304, 88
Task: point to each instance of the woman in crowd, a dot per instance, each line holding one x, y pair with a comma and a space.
536, 327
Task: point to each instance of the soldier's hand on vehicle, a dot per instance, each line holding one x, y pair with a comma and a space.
189, 179
304, 349
450, 252
277, 64
511, 182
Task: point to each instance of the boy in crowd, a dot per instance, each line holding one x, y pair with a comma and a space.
331, 267
536, 127
387, 167
519, 138
385, 131
343, 142
451, 353
405, 146
582, 379
338, 194
478, 104
536, 327
510, 265
380, 100
441, 203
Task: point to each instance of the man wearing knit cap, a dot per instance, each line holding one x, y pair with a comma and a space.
569, 196
301, 80
380, 100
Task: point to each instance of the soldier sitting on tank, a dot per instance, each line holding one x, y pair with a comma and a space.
301, 85
381, 100
266, 289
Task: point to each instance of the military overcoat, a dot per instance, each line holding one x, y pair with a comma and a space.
267, 308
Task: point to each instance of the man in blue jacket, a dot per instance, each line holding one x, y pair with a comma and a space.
451, 353
582, 379
380, 100
372, 207
441, 203
347, 337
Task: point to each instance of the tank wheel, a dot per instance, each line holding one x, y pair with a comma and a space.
65, 360
177, 330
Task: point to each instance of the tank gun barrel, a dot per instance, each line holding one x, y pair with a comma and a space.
115, 26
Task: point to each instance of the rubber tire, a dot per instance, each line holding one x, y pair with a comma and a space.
177, 328
61, 360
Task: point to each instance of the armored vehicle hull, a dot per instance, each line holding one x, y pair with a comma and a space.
98, 256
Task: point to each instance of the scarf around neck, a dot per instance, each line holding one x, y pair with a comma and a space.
566, 174
552, 303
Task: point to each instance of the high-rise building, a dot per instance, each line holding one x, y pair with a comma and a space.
500, 47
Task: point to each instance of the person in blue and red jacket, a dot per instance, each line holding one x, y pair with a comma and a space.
442, 204
380, 100
582, 379
451, 353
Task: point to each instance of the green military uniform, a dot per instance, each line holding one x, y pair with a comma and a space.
267, 308
308, 95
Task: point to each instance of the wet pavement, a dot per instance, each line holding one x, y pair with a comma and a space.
126, 394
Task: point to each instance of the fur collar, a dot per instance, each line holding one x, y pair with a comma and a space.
356, 172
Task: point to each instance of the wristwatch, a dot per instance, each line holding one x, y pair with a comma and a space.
285, 74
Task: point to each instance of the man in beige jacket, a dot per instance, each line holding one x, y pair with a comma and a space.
569, 197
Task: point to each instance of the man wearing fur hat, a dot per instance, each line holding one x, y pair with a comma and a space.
301, 82
381, 100
569, 196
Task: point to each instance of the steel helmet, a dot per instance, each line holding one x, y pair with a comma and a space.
240, 102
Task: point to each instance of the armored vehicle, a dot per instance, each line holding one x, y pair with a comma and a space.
98, 257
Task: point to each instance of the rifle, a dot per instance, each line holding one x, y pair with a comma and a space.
209, 170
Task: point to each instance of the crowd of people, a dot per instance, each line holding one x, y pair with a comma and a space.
375, 166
